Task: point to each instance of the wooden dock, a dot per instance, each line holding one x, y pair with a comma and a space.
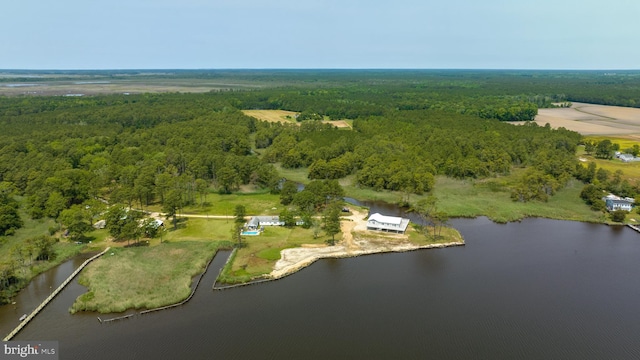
52, 296
636, 228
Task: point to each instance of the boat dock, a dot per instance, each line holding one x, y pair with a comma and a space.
634, 227
52, 296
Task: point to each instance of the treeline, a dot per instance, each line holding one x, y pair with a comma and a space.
361, 102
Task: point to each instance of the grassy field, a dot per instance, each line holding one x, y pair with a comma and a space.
161, 275
625, 142
630, 170
256, 203
198, 229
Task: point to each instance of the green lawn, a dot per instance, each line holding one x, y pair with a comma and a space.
262, 252
256, 203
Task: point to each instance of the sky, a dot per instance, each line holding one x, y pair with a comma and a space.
344, 34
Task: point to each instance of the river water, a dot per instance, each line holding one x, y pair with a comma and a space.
536, 289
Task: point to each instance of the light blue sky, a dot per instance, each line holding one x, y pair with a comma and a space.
161, 34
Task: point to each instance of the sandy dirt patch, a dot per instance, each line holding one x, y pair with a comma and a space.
338, 123
590, 119
356, 241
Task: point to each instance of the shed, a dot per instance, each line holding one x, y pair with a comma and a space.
100, 224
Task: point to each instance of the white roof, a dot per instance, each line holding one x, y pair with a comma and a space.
385, 219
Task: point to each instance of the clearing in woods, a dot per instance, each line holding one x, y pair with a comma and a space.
284, 116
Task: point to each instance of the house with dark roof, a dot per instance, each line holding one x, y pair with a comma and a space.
378, 222
618, 204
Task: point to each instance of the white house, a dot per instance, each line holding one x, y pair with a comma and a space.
387, 223
257, 221
618, 204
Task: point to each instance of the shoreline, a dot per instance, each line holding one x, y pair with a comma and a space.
303, 257
356, 241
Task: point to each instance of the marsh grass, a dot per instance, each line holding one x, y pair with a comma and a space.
143, 277
491, 198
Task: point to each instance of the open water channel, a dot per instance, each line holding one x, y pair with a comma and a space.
536, 289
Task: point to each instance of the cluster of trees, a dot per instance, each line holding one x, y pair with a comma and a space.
604, 149
19, 262
404, 150
318, 196
427, 209
9, 211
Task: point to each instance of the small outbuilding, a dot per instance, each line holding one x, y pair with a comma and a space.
100, 224
378, 222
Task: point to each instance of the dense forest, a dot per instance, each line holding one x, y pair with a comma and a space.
62, 157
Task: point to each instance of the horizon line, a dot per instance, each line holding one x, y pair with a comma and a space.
314, 69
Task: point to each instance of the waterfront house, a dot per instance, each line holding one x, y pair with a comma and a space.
618, 204
380, 222
257, 222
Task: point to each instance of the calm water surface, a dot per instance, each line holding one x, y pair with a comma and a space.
538, 289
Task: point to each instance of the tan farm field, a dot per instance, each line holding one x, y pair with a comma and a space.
284, 116
590, 119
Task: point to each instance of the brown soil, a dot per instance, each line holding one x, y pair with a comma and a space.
589, 119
